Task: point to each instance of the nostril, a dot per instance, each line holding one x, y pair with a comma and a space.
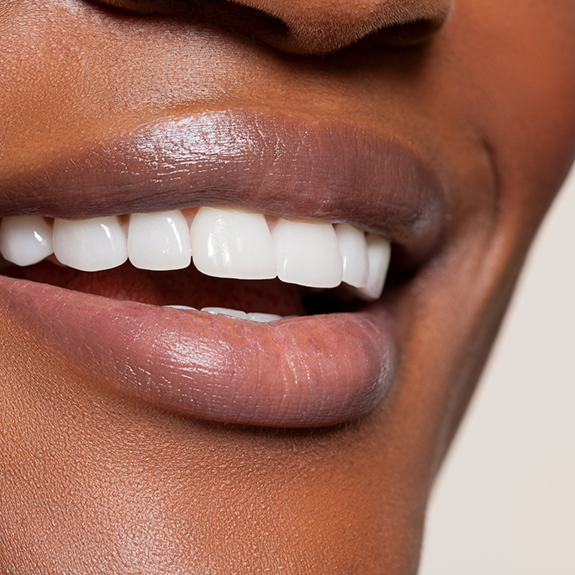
309, 27
408, 34
323, 26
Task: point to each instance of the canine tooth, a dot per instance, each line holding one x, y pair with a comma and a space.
353, 250
378, 253
232, 244
25, 240
183, 307
226, 311
159, 241
263, 317
90, 245
307, 254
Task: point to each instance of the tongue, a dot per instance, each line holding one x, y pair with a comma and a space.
182, 287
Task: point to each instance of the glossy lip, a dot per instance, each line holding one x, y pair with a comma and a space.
295, 373
278, 165
313, 371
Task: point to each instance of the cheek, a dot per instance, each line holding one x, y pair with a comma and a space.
521, 94
502, 80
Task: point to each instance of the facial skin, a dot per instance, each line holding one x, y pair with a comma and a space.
97, 481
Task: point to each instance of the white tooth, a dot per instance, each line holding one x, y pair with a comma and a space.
159, 241
353, 250
232, 244
378, 253
226, 311
25, 240
263, 317
307, 254
90, 245
184, 307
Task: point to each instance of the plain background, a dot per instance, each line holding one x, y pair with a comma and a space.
504, 502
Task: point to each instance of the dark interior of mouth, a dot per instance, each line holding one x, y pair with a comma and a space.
191, 288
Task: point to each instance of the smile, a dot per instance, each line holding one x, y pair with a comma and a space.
305, 232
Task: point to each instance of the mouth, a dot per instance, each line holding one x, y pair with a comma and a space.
229, 266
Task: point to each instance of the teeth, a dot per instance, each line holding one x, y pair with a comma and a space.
90, 245
232, 244
224, 242
159, 241
378, 254
353, 250
264, 317
252, 316
25, 240
226, 311
307, 254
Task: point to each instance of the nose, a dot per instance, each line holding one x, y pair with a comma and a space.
314, 26
322, 26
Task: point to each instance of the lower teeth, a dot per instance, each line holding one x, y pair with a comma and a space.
252, 316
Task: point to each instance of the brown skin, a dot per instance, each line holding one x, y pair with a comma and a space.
93, 482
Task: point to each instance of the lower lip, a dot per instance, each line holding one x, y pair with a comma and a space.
311, 371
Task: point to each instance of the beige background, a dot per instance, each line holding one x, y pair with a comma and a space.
505, 500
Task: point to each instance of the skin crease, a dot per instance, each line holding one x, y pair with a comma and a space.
93, 482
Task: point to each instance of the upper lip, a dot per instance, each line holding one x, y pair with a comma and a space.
269, 163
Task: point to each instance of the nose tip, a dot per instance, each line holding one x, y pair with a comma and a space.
322, 26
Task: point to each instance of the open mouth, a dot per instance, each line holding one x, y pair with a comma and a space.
258, 306
225, 243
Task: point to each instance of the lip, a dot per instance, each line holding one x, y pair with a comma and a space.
312, 371
301, 167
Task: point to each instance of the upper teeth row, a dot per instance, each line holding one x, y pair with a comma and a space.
223, 242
